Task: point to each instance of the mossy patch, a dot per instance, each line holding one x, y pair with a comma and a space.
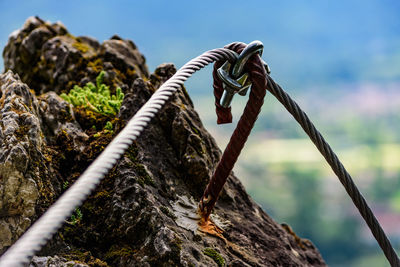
176, 248
116, 252
65, 185
97, 145
84, 257
215, 256
96, 65
81, 46
143, 175
132, 152
88, 118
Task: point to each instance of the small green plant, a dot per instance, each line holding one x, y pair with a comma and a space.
96, 97
108, 126
65, 185
76, 216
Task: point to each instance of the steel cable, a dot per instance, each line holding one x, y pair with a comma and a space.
51, 221
338, 168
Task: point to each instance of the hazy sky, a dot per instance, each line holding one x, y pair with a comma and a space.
307, 42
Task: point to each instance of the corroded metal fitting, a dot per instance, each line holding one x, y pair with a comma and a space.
232, 76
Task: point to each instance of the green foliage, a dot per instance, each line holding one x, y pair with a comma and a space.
65, 185
77, 216
108, 126
215, 256
96, 97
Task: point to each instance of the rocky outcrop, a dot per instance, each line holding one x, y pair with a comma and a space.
49, 58
26, 184
142, 213
55, 261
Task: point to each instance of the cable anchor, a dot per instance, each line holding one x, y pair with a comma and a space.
233, 78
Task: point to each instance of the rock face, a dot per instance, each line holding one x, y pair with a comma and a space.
142, 212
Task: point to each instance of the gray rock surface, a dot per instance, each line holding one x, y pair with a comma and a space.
22, 160
54, 262
143, 213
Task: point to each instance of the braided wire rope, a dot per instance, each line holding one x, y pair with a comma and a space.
359, 201
51, 221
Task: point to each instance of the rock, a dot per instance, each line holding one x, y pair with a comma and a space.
144, 212
54, 262
22, 159
58, 117
123, 54
59, 60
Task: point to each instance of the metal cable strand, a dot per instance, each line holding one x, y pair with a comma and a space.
51, 221
344, 177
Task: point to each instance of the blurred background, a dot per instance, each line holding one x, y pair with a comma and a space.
340, 60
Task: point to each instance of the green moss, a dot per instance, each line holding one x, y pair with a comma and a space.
215, 256
96, 65
84, 257
108, 126
96, 98
76, 216
81, 46
118, 252
65, 185
132, 152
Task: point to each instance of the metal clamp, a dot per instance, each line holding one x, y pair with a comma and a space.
233, 78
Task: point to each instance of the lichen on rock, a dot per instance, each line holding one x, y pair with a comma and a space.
22, 159
131, 219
